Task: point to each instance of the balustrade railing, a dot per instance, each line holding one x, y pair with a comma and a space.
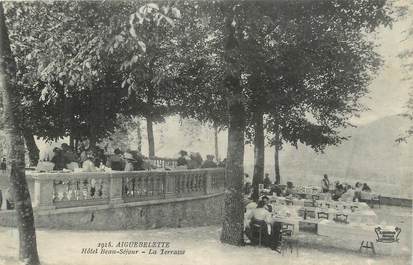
63, 190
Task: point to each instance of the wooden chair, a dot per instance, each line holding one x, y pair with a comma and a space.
287, 240
387, 236
322, 215
286, 226
308, 203
383, 236
309, 214
289, 202
315, 197
257, 228
341, 218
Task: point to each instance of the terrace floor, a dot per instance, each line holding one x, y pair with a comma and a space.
202, 246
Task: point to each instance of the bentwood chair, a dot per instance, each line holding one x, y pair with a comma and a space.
341, 218
322, 215
383, 236
315, 197
287, 240
387, 236
308, 203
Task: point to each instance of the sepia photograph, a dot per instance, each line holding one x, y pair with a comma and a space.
221, 132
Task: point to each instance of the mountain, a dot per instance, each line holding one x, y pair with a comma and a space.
370, 155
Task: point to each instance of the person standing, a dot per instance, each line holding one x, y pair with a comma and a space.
325, 184
116, 161
267, 181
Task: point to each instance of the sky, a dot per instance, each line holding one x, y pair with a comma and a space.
388, 93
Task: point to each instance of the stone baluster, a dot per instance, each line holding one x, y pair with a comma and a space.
44, 193
115, 189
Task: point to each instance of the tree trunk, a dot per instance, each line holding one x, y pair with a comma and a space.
216, 143
72, 142
277, 148
139, 132
32, 147
15, 150
151, 141
259, 149
233, 227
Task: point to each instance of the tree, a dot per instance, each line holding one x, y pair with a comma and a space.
232, 229
310, 62
148, 50
69, 81
15, 149
407, 57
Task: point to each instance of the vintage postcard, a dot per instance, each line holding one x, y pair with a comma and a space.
206, 132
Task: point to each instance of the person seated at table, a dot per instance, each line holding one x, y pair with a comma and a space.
58, 159
209, 163
290, 188
357, 191
68, 153
223, 163
195, 161
138, 160
325, 184
100, 157
276, 189
262, 218
366, 188
349, 195
129, 161
181, 161
267, 205
338, 192
116, 161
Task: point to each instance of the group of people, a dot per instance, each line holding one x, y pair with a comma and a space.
348, 192
258, 216
91, 158
194, 160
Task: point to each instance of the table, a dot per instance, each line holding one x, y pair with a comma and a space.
366, 216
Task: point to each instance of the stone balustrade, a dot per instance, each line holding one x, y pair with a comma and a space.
64, 190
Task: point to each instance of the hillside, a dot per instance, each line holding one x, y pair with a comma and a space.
370, 155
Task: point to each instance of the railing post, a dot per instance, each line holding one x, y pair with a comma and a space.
115, 189
43, 193
208, 182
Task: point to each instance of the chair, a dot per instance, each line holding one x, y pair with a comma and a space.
365, 244
286, 226
309, 214
289, 202
353, 208
287, 240
258, 228
341, 218
315, 197
383, 236
322, 215
387, 236
308, 203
